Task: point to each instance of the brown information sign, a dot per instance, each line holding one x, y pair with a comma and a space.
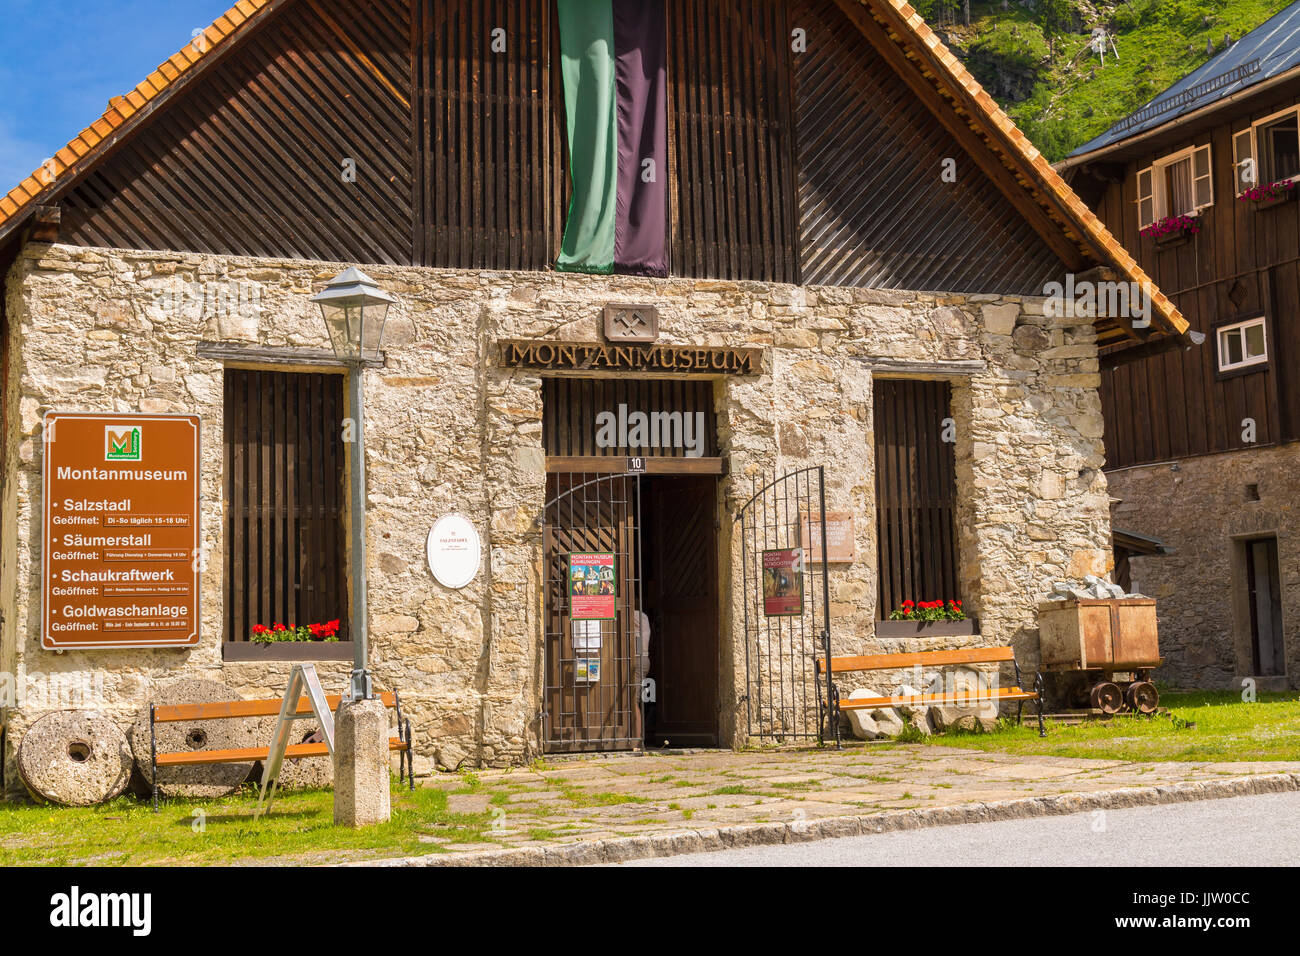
121, 542
840, 536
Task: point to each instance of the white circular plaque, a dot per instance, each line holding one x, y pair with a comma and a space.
454, 551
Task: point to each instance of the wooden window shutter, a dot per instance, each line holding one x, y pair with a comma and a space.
1245, 170
918, 557
285, 549
1146, 197
1202, 177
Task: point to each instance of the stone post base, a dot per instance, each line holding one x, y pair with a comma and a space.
361, 796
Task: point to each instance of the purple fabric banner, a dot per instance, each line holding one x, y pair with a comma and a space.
641, 92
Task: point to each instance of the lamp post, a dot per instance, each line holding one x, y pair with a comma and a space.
354, 309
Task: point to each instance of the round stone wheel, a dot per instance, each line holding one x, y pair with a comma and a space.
308, 773
209, 780
75, 758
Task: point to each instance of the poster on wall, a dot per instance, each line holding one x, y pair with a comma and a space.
588, 671
783, 582
593, 586
586, 637
120, 550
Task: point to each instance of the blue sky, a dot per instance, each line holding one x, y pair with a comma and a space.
63, 59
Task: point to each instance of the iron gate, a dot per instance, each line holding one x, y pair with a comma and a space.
787, 614
592, 696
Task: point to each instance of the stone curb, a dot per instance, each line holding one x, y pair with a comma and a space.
675, 842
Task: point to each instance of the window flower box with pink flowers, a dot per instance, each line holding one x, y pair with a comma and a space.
1172, 229
1269, 194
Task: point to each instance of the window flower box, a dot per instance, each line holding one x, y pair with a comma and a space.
970, 627
1172, 230
928, 619
1270, 195
287, 651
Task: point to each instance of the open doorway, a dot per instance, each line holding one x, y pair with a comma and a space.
679, 562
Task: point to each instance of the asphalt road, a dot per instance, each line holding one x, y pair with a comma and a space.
1238, 831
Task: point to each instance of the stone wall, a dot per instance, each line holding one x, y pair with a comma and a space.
448, 429
1203, 508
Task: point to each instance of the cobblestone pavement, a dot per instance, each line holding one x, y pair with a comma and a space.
570, 800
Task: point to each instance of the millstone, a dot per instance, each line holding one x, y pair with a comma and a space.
310, 772
75, 758
204, 782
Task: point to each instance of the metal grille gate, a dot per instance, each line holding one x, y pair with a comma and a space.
784, 525
585, 711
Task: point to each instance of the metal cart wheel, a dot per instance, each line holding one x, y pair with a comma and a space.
1107, 698
1143, 697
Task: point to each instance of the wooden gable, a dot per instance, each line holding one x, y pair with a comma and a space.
873, 207
392, 131
255, 159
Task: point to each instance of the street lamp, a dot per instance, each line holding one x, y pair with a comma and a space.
354, 309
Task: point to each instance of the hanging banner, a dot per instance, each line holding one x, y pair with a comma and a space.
593, 587
120, 550
783, 582
613, 60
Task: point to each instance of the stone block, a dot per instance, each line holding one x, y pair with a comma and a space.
361, 787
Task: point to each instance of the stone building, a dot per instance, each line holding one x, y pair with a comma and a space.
1201, 440
853, 252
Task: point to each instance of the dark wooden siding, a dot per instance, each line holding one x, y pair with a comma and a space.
916, 495
250, 160
1174, 405
285, 557
731, 140
872, 209
492, 185
570, 407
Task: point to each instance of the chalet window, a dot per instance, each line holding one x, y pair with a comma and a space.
1181, 184
1243, 344
1279, 149
285, 557
1268, 152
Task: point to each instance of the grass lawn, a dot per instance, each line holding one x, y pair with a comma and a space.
126, 832
1203, 726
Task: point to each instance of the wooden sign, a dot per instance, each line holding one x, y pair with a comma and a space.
840, 537
121, 548
592, 356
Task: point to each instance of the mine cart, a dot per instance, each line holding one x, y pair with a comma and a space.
1101, 652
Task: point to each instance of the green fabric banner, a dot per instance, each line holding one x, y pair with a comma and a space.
587, 63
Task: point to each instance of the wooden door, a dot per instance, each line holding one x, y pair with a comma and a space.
682, 603
1268, 653
586, 709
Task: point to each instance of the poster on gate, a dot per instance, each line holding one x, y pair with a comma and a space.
593, 586
783, 582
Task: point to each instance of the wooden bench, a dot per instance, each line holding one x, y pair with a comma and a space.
924, 659
232, 709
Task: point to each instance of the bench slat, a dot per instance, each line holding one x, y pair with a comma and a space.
196, 758
219, 710
884, 662
1001, 695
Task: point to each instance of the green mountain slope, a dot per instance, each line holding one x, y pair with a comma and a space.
1035, 57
